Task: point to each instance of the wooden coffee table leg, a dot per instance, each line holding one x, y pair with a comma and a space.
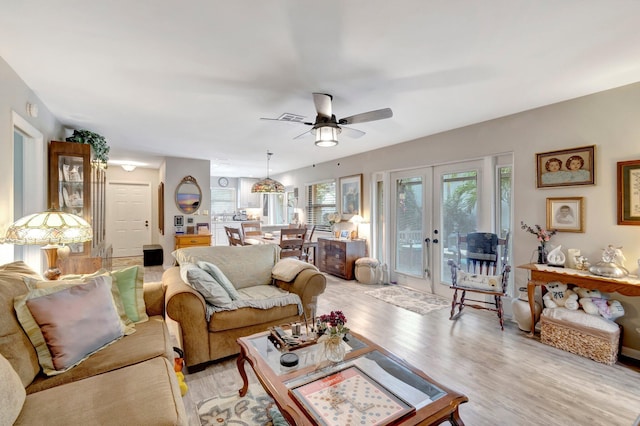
245, 380
455, 419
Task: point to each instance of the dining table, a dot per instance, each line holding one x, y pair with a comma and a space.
275, 239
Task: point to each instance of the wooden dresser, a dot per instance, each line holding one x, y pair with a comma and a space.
192, 240
337, 257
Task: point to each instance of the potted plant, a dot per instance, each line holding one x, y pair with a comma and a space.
97, 142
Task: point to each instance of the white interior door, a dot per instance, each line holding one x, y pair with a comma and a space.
128, 217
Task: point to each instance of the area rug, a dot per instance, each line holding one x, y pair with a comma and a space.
256, 408
411, 300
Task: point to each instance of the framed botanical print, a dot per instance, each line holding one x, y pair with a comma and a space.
351, 195
567, 167
629, 192
566, 214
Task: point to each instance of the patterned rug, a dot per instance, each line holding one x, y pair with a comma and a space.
411, 300
256, 408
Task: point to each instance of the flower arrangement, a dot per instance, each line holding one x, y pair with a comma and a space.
334, 218
543, 235
333, 323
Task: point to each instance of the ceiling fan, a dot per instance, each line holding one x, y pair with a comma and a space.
326, 127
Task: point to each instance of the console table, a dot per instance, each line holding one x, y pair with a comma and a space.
542, 274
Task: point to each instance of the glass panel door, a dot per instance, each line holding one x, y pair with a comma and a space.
411, 224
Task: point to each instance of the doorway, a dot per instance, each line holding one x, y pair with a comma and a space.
128, 217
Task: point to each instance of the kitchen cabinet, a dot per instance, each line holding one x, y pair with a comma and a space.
192, 240
337, 257
247, 199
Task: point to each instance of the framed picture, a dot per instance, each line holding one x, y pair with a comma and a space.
344, 233
629, 192
351, 195
203, 228
565, 214
568, 167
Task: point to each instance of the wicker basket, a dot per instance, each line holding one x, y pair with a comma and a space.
598, 345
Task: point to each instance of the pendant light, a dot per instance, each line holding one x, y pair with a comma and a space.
268, 185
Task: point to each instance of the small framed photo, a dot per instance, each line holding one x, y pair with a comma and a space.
345, 233
566, 214
629, 192
203, 228
351, 195
567, 167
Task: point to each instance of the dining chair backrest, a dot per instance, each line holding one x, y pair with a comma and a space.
251, 229
292, 242
234, 235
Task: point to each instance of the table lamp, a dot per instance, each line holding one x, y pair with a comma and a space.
52, 228
357, 220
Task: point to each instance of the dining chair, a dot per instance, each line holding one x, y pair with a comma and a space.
482, 268
235, 236
310, 245
251, 229
292, 242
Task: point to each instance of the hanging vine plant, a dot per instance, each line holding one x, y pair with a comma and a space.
97, 142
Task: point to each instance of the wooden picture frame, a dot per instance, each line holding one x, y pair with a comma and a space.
629, 192
567, 167
566, 214
351, 195
161, 208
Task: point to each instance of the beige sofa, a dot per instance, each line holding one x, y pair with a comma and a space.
130, 382
249, 269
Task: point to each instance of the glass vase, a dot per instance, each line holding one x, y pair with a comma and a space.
542, 254
333, 349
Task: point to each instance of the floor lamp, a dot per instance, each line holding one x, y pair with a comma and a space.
51, 228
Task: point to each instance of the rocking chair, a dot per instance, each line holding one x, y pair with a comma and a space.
481, 268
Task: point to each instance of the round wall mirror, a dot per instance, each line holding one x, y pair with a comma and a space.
188, 195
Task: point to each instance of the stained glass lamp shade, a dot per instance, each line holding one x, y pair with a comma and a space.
51, 228
267, 185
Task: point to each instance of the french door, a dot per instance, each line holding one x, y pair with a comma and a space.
429, 206
411, 228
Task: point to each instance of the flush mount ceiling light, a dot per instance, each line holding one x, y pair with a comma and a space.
327, 136
128, 167
268, 185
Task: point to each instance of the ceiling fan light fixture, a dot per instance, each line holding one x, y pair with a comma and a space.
267, 185
327, 136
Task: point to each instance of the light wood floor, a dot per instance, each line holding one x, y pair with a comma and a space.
510, 379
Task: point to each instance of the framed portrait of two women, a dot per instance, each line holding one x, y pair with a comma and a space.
567, 167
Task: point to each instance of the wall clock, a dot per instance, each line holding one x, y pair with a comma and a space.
223, 181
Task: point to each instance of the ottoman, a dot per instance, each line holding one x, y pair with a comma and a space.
368, 270
153, 254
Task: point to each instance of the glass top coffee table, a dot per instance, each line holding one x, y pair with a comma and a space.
370, 383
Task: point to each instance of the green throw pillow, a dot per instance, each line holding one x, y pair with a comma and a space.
130, 284
220, 277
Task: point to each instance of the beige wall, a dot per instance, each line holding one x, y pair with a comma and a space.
609, 120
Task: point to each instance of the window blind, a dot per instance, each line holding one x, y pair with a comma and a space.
321, 201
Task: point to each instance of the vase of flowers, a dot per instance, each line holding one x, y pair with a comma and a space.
333, 330
543, 236
334, 218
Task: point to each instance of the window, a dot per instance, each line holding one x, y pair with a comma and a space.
321, 201
223, 201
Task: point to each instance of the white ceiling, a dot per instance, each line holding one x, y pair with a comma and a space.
192, 78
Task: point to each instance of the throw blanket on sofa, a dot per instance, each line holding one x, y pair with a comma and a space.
288, 269
259, 297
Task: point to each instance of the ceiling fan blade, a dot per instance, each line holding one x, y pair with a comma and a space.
378, 114
352, 133
307, 133
323, 104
